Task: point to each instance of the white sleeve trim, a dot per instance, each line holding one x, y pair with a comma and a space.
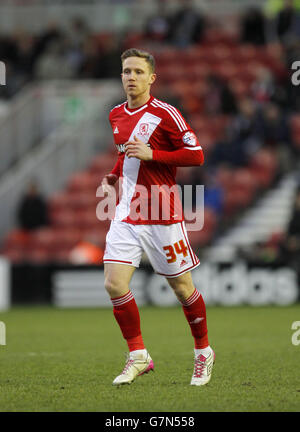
193, 148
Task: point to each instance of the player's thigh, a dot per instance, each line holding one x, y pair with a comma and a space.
182, 285
117, 278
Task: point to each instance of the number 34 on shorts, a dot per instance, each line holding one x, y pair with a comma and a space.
167, 247
177, 248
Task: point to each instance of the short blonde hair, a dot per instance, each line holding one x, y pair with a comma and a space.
134, 52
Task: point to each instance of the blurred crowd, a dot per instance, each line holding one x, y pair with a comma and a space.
75, 51
283, 247
258, 120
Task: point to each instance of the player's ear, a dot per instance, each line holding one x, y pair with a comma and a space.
152, 78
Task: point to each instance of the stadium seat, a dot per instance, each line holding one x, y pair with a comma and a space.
276, 239
226, 70
86, 219
215, 36
17, 239
57, 238
14, 254
103, 163
243, 180
295, 130
80, 182
43, 238
132, 39
203, 236
263, 166
199, 239
59, 201
239, 87
221, 52
61, 256
295, 123
63, 218
38, 255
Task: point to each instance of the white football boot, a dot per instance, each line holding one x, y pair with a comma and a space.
135, 366
202, 369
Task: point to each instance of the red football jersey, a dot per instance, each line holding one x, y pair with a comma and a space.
149, 192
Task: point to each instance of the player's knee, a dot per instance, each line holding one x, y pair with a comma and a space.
183, 290
115, 288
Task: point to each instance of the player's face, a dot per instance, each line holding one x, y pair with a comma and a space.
136, 76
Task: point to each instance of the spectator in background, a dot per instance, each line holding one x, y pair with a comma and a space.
253, 27
218, 98
241, 139
51, 34
157, 27
32, 211
213, 194
288, 22
54, 63
276, 134
78, 32
263, 88
110, 66
291, 244
24, 62
8, 49
274, 126
186, 25
90, 62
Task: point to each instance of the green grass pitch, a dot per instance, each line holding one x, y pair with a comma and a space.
66, 359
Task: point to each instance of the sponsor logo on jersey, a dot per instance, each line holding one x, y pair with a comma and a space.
144, 129
121, 148
116, 130
189, 138
183, 262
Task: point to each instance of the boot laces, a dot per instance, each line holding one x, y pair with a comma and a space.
129, 362
199, 368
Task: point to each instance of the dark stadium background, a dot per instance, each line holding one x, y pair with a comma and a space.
227, 65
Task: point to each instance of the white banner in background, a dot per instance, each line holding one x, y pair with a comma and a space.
4, 284
235, 285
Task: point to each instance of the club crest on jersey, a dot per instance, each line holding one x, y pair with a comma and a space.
189, 138
144, 129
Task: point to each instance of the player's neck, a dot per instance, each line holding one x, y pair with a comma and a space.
136, 102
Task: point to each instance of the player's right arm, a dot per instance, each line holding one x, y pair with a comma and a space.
110, 179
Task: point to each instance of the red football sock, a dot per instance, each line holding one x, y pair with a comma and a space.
195, 313
127, 315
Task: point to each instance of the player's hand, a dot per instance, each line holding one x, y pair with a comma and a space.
108, 183
138, 149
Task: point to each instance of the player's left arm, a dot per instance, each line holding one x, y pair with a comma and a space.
183, 157
187, 149
188, 155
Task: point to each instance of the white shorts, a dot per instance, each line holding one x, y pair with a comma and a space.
167, 247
